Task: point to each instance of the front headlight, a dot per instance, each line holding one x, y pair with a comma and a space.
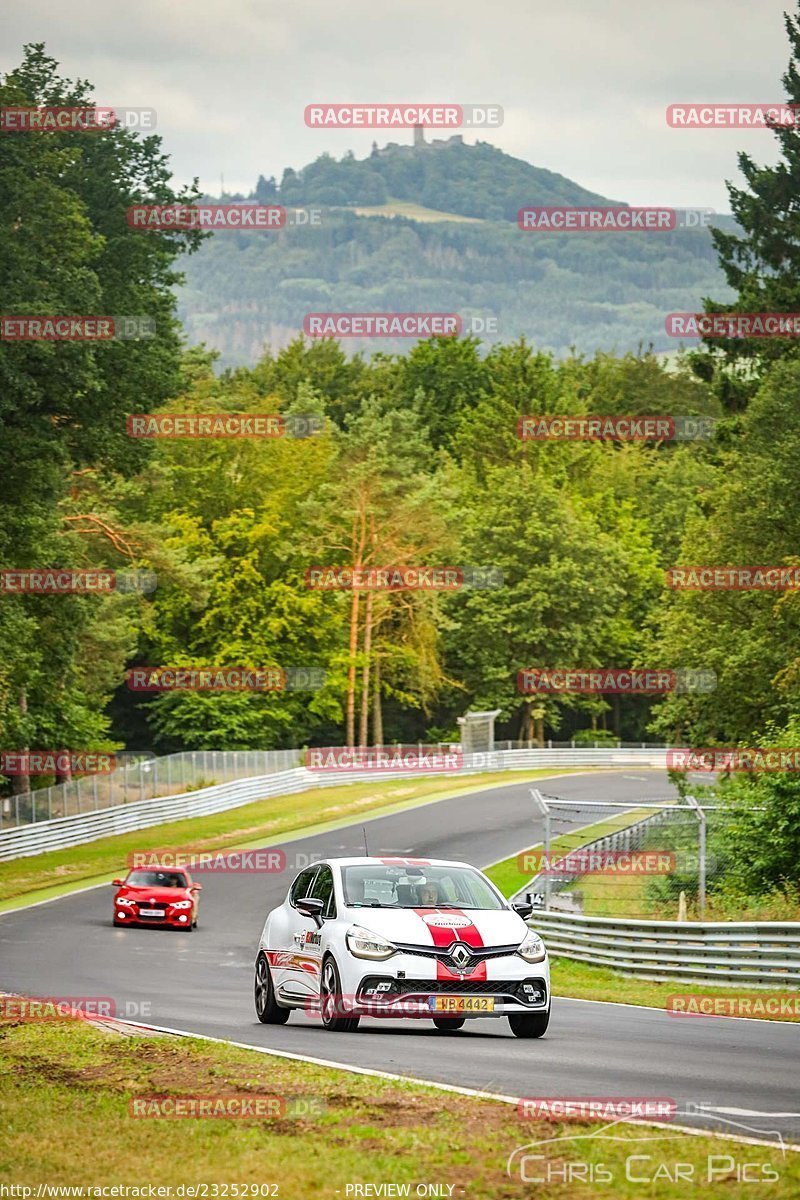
532, 948
363, 943
127, 903
181, 904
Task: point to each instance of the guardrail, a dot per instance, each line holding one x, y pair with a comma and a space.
61, 832
141, 776
756, 953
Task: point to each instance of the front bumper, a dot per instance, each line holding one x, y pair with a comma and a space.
401, 994
171, 920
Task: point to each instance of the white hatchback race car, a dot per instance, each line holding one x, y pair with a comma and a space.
401, 937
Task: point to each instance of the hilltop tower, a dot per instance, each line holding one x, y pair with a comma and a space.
419, 135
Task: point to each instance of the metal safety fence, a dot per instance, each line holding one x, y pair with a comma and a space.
613, 858
22, 837
142, 777
756, 953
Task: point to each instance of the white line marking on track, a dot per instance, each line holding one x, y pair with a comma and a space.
746, 1112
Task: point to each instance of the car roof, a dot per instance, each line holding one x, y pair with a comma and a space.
394, 860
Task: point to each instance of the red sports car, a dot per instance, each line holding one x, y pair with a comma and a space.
156, 898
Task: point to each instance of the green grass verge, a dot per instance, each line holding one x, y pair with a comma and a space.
607, 894
258, 824
66, 1089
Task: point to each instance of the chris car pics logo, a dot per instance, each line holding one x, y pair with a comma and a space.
655, 1157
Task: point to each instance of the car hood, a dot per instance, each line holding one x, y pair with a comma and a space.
441, 927
159, 895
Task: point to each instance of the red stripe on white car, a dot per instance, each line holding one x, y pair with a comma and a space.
462, 930
405, 862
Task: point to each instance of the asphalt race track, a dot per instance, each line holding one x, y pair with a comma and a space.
747, 1072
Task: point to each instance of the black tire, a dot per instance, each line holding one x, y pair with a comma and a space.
529, 1025
448, 1024
330, 1001
268, 1011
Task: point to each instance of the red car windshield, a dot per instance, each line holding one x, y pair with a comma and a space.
152, 879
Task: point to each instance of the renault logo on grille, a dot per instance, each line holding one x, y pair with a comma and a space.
461, 955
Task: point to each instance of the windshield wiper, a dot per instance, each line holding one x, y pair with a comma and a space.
370, 904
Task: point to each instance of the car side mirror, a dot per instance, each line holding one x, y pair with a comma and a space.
523, 909
117, 883
196, 887
310, 907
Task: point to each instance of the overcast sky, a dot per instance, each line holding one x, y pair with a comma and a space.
584, 83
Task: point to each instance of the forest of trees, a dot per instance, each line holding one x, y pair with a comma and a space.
563, 292
473, 181
418, 462
245, 292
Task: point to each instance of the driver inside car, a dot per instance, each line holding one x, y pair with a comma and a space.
428, 894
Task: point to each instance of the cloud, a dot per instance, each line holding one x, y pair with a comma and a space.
584, 86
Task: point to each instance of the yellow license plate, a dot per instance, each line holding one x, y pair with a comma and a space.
462, 1004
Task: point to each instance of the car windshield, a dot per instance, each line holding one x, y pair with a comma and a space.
152, 879
417, 887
